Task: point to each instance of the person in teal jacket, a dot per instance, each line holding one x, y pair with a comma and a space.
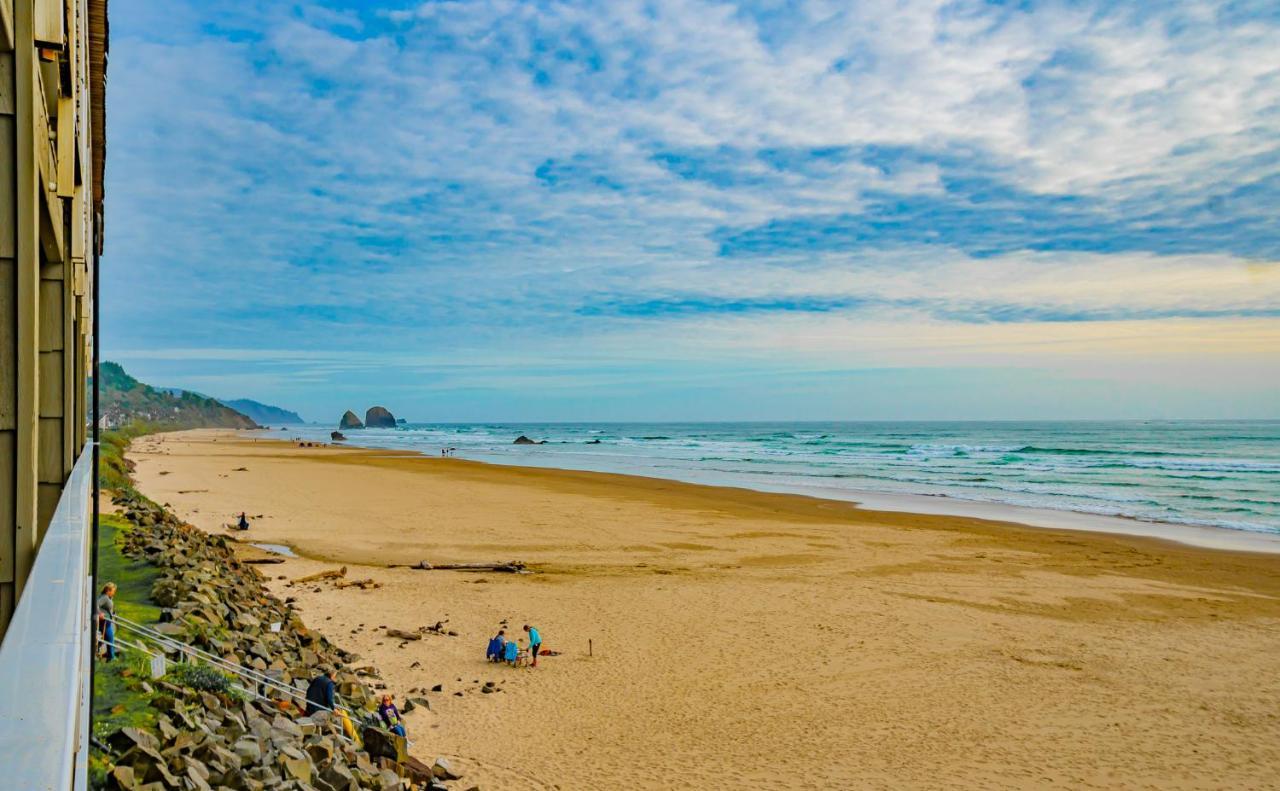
535, 643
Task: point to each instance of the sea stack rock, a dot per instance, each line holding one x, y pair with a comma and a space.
523, 440
336, 436
349, 420
379, 417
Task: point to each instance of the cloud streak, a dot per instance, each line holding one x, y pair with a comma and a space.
572, 184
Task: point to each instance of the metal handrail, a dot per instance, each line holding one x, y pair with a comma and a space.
244, 673
121, 644
47, 652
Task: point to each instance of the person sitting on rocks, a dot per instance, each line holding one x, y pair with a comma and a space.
511, 652
320, 693
243, 524
497, 646
391, 716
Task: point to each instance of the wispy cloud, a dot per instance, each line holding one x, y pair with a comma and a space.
569, 186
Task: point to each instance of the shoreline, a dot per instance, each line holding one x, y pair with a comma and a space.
700, 628
1201, 536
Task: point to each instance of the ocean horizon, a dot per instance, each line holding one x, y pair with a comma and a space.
1221, 474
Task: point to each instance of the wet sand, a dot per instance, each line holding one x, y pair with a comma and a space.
741, 639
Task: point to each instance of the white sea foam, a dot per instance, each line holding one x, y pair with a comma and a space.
1215, 474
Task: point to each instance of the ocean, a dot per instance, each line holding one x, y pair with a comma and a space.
1220, 474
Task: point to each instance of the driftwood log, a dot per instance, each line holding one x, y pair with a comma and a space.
364, 584
513, 567
324, 575
262, 561
403, 635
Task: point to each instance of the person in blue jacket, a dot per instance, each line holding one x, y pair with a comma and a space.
497, 647
535, 643
511, 652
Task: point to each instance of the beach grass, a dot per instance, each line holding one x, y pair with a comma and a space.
119, 700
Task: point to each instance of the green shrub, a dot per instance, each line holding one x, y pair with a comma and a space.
113, 469
201, 677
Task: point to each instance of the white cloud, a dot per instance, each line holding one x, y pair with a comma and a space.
310, 179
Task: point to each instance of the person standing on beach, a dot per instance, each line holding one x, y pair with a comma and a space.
107, 619
535, 643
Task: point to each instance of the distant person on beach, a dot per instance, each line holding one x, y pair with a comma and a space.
511, 652
243, 524
535, 643
320, 694
107, 619
391, 716
497, 646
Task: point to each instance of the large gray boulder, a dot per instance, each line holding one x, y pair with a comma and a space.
379, 417
349, 420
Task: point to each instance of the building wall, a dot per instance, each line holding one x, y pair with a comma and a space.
50, 235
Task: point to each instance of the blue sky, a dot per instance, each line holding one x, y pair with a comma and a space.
692, 210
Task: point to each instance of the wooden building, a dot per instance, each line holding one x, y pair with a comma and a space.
52, 149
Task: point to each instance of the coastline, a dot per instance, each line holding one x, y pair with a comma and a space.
1208, 537
747, 637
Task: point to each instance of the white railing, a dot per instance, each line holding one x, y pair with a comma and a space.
251, 682
47, 653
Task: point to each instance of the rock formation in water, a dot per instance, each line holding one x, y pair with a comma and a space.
349, 420
379, 417
523, 440
336, 436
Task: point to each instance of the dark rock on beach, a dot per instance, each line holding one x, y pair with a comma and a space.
349, 420
336, 436
379, 417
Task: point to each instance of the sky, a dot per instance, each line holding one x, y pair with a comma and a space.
685, 210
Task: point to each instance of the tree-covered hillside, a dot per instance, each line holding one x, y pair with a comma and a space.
125, 400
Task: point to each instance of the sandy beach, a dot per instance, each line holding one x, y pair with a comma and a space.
741, 639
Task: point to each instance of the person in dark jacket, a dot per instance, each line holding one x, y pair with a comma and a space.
243, 524
391, 716
497, 646
320, 693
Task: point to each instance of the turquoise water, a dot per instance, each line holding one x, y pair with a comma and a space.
1209, 473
